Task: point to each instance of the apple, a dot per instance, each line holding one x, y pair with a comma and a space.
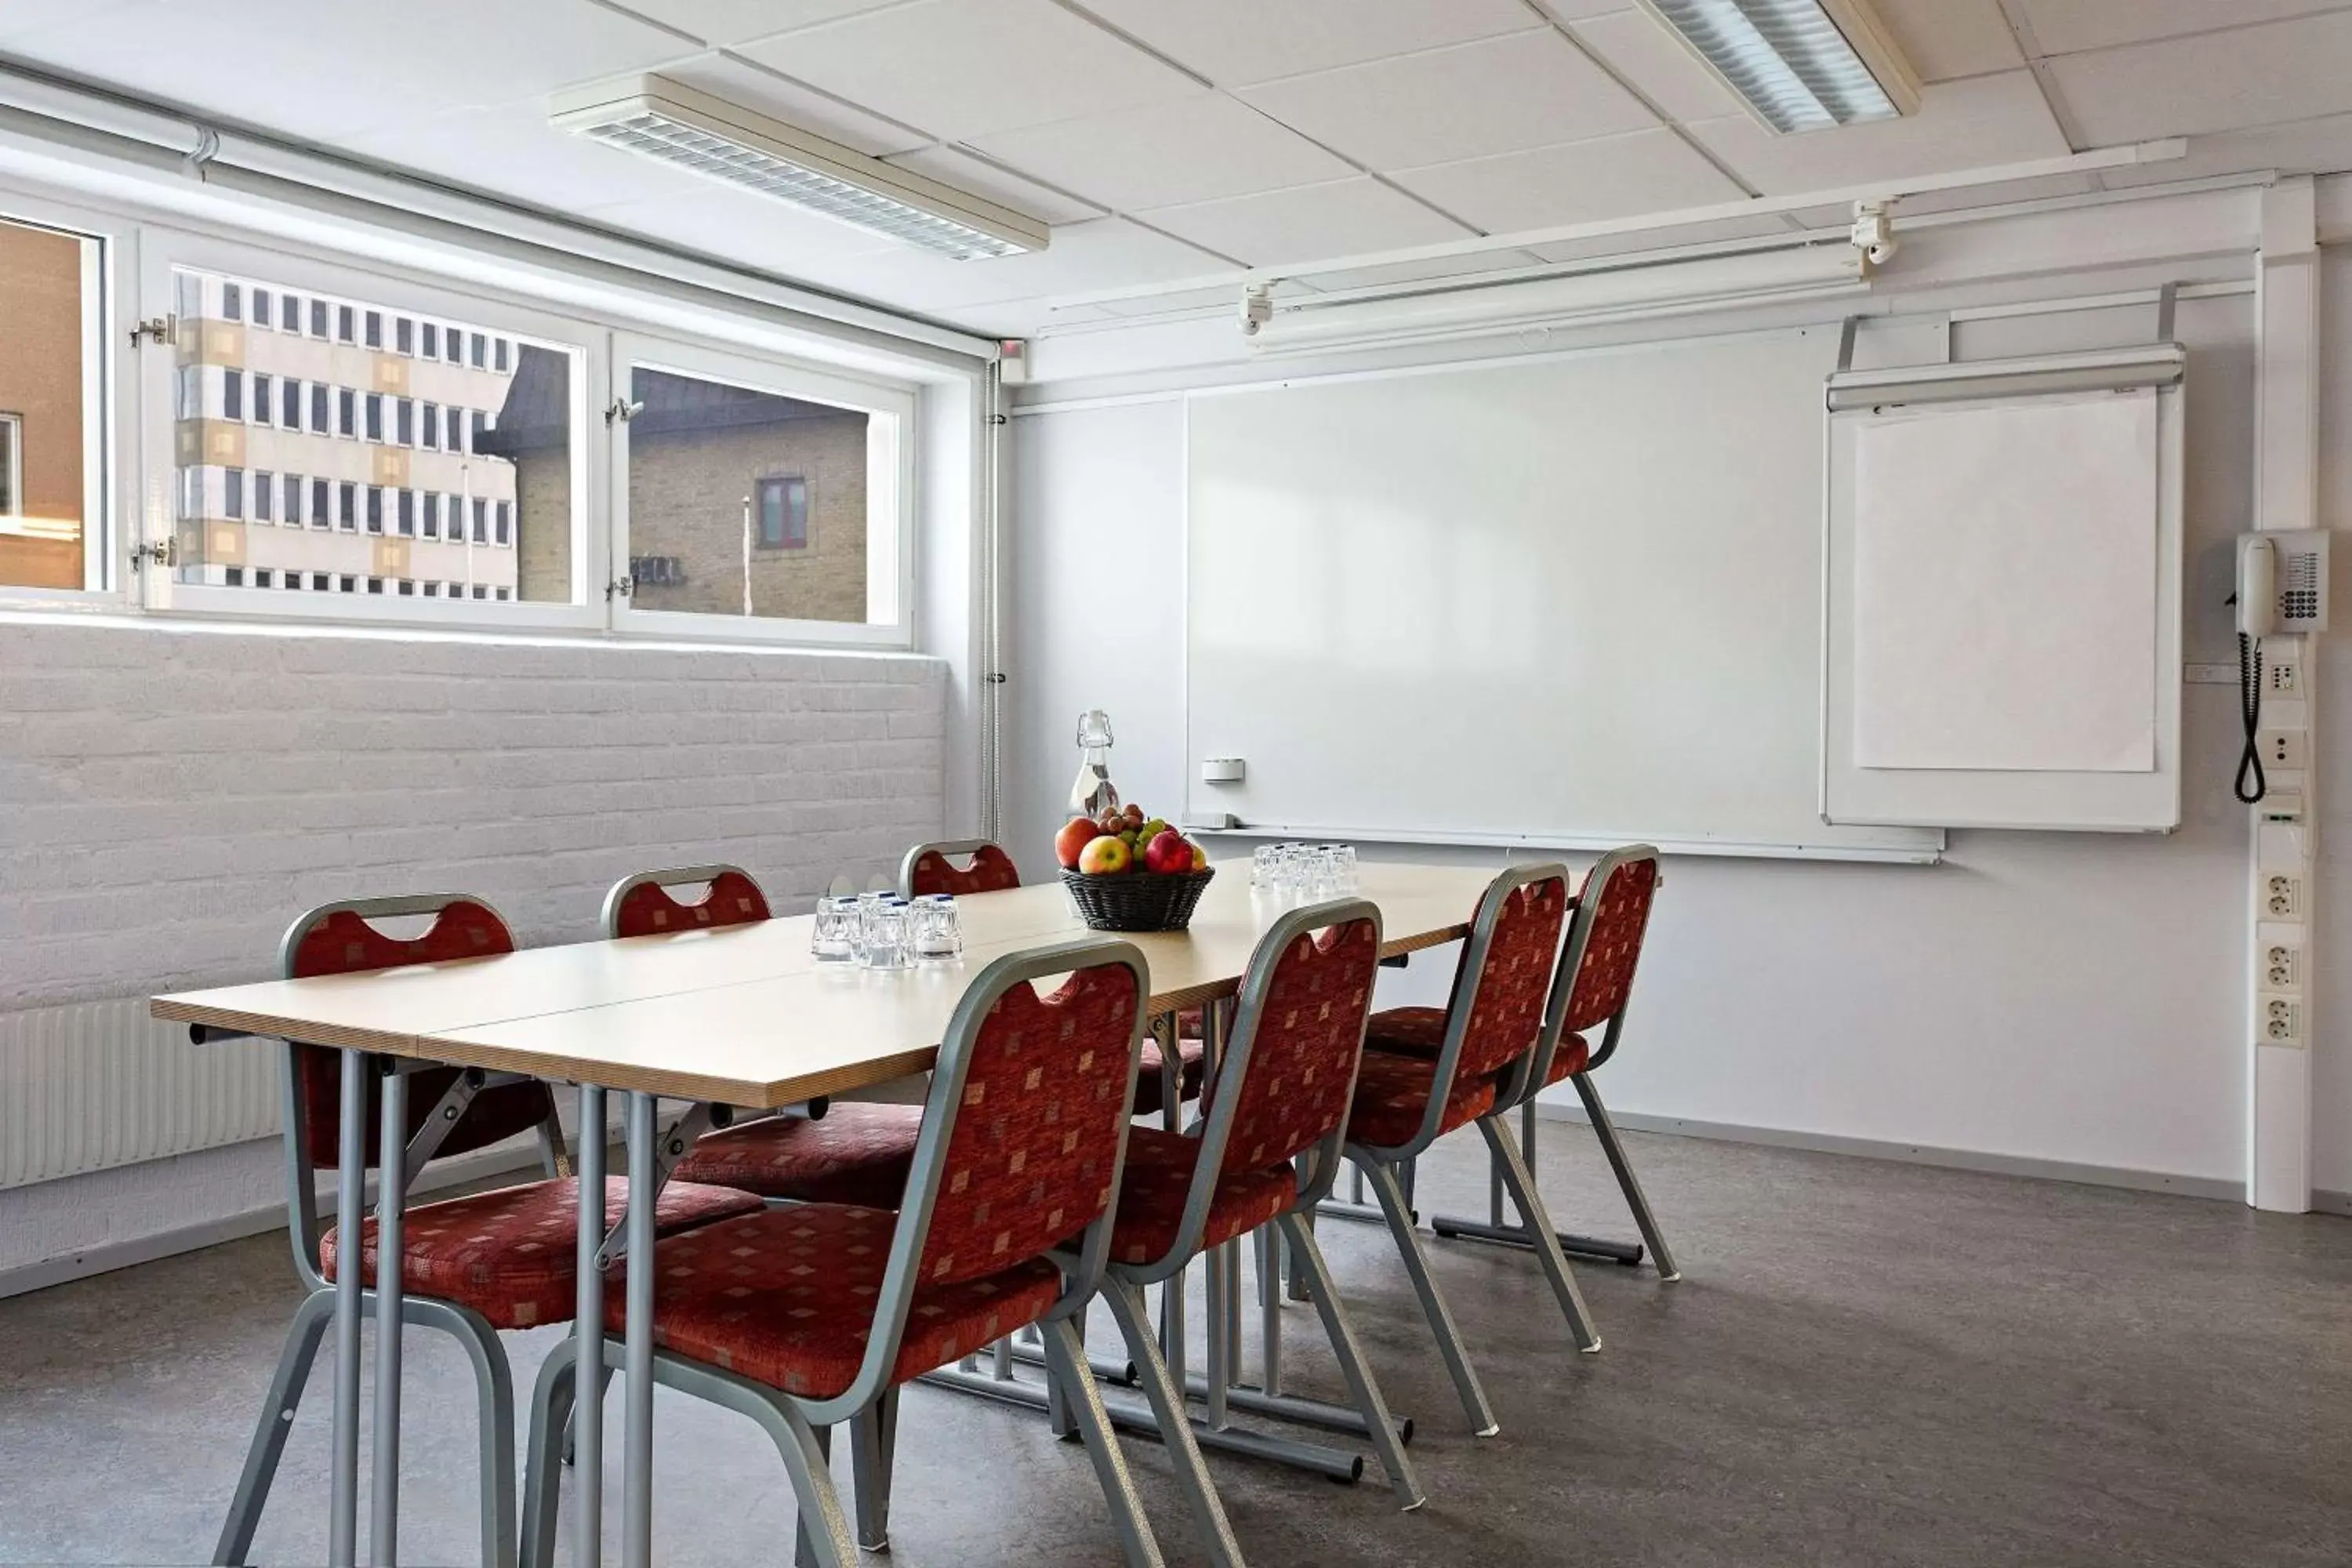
1074, 837
1168, 852
1104, 856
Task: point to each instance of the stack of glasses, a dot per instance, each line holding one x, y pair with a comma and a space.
1307, 872
884, 931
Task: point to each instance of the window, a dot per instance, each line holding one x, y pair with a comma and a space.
347, 515
481, 346
403, 335
265, 496
262, 579
506, 522
12, 479
233, 394
784, 512
499, 356
347, 404
375, 416
232, 298
375, 329
321, 508
291, 500
289, 313
403, 422
375, 584
188, 392
345, 319
428, 427
261, 311
375, 509
407, 514
233, 577
407, 585
428, 340
320, 424
481, 520
289, 404
454, 340
481, 425
318, 317
263, 398
430, 525
232, 493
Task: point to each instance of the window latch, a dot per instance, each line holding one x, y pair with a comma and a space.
162, 552
620, 586
623, 411
161, 329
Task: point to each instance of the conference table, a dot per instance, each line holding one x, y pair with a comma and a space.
741, 1017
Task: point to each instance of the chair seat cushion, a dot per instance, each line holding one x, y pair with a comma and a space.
1572, 1056
857, 1154
512, 1254
1157, 1180
787, 1297
1393, 1092
1193, 1057
1407, 1031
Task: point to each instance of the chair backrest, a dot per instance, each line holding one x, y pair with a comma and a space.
932, 868
1604, 944
1023, 1134
342, 938
642, 905
1497, 1015
1293, 1052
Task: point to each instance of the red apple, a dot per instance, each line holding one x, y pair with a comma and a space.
1104, 856
1073, 838
1168, 852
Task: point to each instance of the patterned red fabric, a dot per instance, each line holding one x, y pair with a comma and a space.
991, 871
1192, 1023
858, 1154
510, 1254
1570, 1060
1159, 1179
1507, 1007
1029, 1163
1407, 1031
1192, 1053
344, 943
647, 908
1393, 1092
1310, 1030
787, 1297
1620, 913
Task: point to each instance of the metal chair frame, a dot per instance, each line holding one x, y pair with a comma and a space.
963, 847
801, 1428
1382, 1165
609, 920
494, 1378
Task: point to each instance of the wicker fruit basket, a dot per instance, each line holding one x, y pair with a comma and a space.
1138, 901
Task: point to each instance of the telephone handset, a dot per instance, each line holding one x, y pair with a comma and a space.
2258, 618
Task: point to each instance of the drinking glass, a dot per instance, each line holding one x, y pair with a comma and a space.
1262, 864
887, 945
836, 925
939, 930
861, 927
1346, 880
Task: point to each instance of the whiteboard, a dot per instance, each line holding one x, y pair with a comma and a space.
2003, 640
1572, 601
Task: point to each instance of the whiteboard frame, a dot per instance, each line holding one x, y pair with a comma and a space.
1981, 798
1912, 844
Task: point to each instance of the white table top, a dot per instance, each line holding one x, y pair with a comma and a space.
744, 1014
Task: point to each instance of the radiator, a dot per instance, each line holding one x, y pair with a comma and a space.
98, 1084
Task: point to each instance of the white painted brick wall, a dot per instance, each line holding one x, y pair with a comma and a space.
169, 799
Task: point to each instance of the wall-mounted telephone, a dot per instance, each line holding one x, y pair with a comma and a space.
2282, 590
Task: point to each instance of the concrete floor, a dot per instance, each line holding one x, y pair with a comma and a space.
1867, 1363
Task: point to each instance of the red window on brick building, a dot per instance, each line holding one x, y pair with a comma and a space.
783, 513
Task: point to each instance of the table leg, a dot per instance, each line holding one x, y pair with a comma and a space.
390, 1253
637, 1358
351, 1209
588, 1339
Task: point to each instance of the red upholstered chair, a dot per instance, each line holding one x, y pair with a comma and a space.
856, 1154
987, 869
806, 1317
470, 1266
1264, 1152
1494, 1031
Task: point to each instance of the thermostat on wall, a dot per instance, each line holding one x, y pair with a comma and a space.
1223, 770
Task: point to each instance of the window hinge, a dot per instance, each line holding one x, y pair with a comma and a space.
161, 552
621, 586
623, 411
161, 329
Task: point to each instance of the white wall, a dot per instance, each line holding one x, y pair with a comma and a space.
2068, 998
173, 796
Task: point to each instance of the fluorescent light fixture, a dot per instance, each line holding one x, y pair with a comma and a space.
1583, 299
1799, 65
657, 117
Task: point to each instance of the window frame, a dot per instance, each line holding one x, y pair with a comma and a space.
890, 462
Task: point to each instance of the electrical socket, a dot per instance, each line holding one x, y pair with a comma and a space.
2282, 896
2280, 748
2282, 966
2282, 677
2279, 1020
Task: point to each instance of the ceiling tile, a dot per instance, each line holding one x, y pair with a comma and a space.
2063, 27
273, 63
964, 69
1500, 95
1577, 10
1235, 43
956, 167
2256, 76
722, 22
755, 87
1968, 124
1758, 226
1612, 176
2320, 146
1641, 49
1306, 222
1948, 39
1186, 149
